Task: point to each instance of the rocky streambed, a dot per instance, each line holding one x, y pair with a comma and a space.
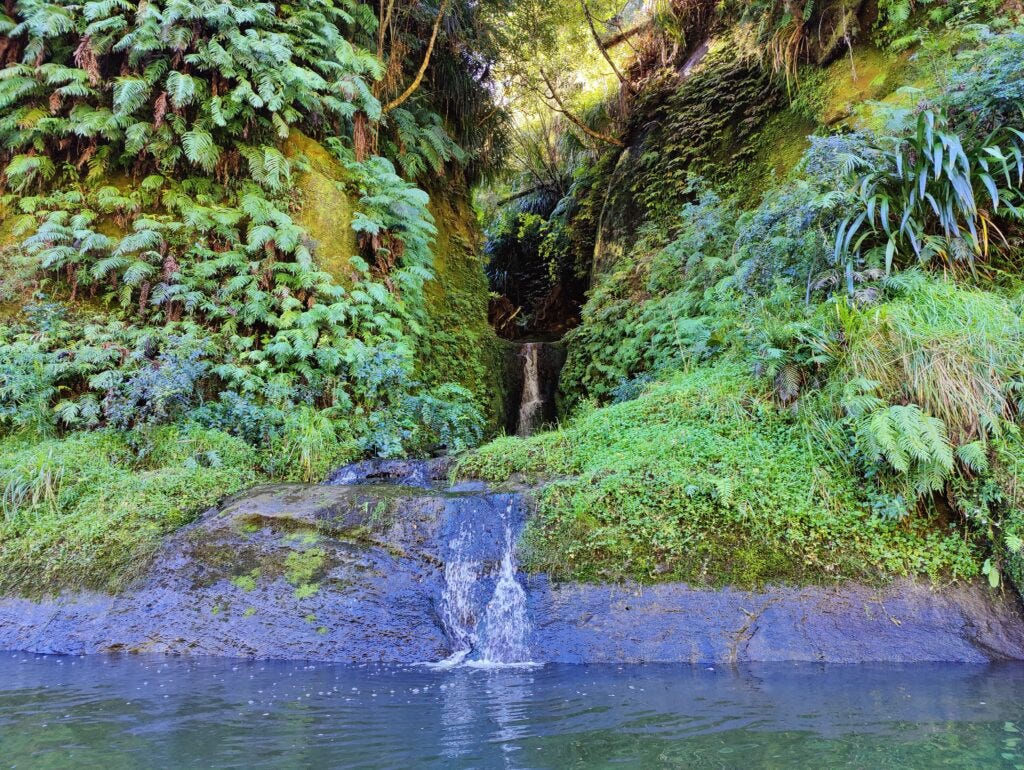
390, 564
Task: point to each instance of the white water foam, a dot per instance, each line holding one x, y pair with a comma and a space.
500, 638
506, 624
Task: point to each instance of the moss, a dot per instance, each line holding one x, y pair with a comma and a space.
832, 95
459, 345
325, 210
702, 125
306, 590
95, 514
702, 479
779, 146
301, 566
247, 582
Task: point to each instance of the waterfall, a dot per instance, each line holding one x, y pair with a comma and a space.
530, 411
531, 372
506, 624
480, 602
457, 611
495, 632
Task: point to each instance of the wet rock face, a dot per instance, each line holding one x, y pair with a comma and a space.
906, 622
283, 571
357, 573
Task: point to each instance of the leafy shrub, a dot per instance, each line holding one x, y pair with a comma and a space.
158, 392
149, 165
28, 385
661, 308
789, 236
310, 446
450, 418
240, 416
924, 201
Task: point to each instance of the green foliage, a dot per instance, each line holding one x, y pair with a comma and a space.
702, 479
908, 385
450, 418
194, 77
127, 132
309, 446
653, 313
89, 510
903, 23
924, 200
704, 128
912, 442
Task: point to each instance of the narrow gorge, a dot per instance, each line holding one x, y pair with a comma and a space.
534, 384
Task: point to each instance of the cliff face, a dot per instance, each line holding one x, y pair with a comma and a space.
357, 573
456, 346
460, 346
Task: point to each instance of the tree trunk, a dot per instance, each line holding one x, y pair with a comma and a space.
361, 135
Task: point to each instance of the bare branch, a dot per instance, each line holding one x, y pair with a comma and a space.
523, 193
626, 34
600, 45
553, 94
411, 89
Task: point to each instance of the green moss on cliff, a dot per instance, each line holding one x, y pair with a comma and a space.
459, 345
326, 210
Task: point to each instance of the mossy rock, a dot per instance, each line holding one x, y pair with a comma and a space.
460, 346
326, 210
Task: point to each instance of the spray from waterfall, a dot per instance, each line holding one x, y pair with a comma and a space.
457, 612
506, 624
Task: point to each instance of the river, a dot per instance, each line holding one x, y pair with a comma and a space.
134, 711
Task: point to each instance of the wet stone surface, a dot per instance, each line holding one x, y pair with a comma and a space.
355, 571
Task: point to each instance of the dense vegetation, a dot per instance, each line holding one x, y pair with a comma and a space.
800, 354
170, 284
785, 241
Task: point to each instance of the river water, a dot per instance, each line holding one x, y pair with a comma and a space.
138, 712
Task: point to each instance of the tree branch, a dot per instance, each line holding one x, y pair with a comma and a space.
626, 34
397, 102
522, 194
600, 45
384, 24
572, 118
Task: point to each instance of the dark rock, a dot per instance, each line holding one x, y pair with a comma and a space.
905, 622
355, 573
417, 473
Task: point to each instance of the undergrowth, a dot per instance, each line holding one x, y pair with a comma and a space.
701, 478
89, 510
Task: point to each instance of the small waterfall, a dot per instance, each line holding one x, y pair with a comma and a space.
532, 386
481, 605
531, 403
499, 634
506, 624
457, 611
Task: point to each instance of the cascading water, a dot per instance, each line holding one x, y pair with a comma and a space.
481, 606
458, 614
497, 632
531, 403
532, 380
506, 623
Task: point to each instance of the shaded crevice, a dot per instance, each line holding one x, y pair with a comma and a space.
532, 369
